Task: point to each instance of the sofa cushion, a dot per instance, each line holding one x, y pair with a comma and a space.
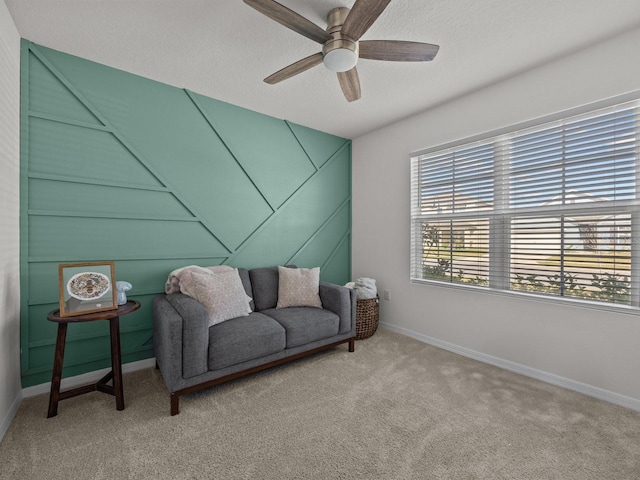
305, 324
298, 287
222, 295
244, 338
246, 283
264, 283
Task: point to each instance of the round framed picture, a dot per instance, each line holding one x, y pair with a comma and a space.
86, 288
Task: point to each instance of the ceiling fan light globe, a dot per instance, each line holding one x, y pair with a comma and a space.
340, 59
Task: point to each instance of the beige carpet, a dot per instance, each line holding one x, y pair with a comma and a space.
394, 409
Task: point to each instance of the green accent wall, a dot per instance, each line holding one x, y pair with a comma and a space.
118, 167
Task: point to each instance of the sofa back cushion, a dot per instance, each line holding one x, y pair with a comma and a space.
264, 283
246, 283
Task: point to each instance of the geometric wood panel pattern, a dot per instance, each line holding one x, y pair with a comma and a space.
118, 167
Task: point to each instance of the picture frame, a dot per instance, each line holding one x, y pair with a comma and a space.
86, 288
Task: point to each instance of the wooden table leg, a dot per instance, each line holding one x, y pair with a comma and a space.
116, 362
58, 360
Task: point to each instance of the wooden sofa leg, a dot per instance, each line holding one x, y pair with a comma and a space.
352, 345
175, 404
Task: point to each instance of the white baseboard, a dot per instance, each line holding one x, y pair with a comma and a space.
586, 389
86, 378
6, 421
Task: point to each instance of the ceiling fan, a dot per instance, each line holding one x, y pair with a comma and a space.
341, 44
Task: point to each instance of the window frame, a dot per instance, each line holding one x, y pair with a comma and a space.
499, 283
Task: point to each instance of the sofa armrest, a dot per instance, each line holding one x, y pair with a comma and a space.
341, 301
167, 340
188, 350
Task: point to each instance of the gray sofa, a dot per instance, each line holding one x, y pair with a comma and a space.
192, 356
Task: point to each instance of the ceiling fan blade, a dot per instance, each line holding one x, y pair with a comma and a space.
397, 50
290, 19
350, 84
295, 68
361, 17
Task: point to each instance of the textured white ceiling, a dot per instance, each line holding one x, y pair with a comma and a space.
223, 49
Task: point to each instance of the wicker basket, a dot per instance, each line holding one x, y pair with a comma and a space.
367, 317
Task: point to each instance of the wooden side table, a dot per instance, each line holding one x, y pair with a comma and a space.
116, 362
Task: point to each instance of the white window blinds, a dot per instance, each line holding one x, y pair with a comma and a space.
550, 210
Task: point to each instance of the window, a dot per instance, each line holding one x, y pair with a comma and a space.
551, 210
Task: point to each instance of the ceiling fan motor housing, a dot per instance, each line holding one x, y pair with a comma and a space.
341, 52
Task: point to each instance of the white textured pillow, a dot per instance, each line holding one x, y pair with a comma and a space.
221, 294
298, 287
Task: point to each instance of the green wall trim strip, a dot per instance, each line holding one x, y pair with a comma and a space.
85, 336
121, 257
24, 224
71, 179
118, 167
69, 121
66, 213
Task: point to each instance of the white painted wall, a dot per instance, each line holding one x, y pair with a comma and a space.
577, 346
10, 388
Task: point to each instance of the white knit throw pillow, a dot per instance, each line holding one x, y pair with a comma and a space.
299, 287
221, 294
